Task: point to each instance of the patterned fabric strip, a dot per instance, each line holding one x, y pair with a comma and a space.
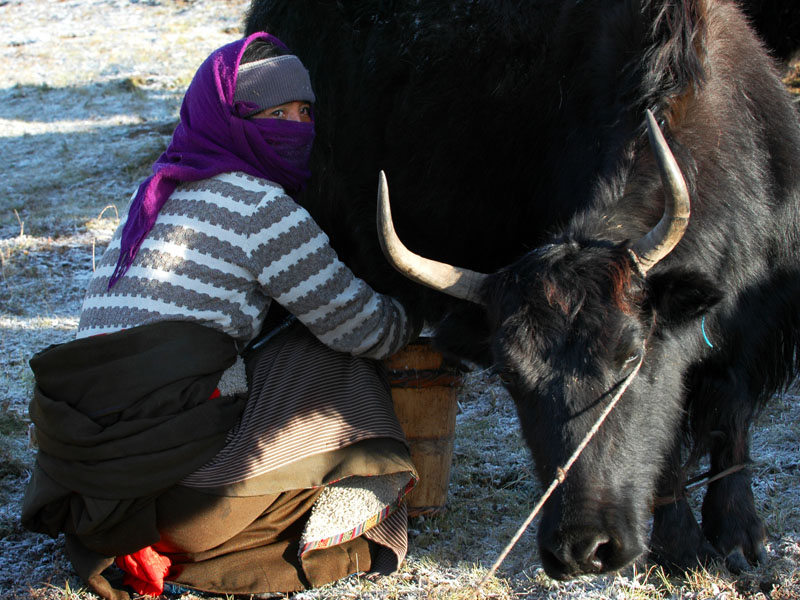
368, 525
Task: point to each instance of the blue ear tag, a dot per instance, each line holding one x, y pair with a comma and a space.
703, 329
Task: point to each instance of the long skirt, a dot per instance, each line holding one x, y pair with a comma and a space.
310, 484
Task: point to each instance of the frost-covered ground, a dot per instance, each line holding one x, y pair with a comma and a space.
89, 93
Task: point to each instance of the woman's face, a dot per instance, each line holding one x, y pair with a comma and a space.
297, 110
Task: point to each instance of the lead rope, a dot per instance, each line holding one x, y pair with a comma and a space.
561, 472
696, 482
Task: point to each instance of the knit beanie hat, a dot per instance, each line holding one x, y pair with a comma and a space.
273, 81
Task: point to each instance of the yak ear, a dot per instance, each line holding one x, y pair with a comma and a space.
680, 295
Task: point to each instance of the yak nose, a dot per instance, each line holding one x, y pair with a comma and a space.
565, 557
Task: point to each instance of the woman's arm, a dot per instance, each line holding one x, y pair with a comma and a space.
297, 267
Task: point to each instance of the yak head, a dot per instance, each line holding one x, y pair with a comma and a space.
571, 326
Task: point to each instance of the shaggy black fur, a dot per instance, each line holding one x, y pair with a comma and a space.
512, 134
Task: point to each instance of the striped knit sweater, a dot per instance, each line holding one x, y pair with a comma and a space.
220, 251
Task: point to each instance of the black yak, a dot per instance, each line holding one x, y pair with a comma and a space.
514, 138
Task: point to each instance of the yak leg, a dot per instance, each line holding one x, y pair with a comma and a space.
677, 542
730, 519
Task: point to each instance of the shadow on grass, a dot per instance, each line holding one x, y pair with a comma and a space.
70, 151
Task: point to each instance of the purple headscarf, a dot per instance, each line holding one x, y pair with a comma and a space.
214, 136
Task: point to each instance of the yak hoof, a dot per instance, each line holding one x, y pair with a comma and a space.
678, 561
736, 561
677, 542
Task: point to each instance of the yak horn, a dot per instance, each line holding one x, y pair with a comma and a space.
659, 241
460, 283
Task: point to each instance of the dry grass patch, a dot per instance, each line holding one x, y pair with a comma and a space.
792, 77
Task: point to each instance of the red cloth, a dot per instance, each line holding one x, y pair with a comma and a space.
145, 571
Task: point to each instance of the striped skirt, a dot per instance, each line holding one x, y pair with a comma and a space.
309, 486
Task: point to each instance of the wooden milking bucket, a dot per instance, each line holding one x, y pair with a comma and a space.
424, 391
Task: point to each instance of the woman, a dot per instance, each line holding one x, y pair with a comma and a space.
173, 441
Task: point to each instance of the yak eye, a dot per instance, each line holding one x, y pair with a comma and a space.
627, 357
633, 358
